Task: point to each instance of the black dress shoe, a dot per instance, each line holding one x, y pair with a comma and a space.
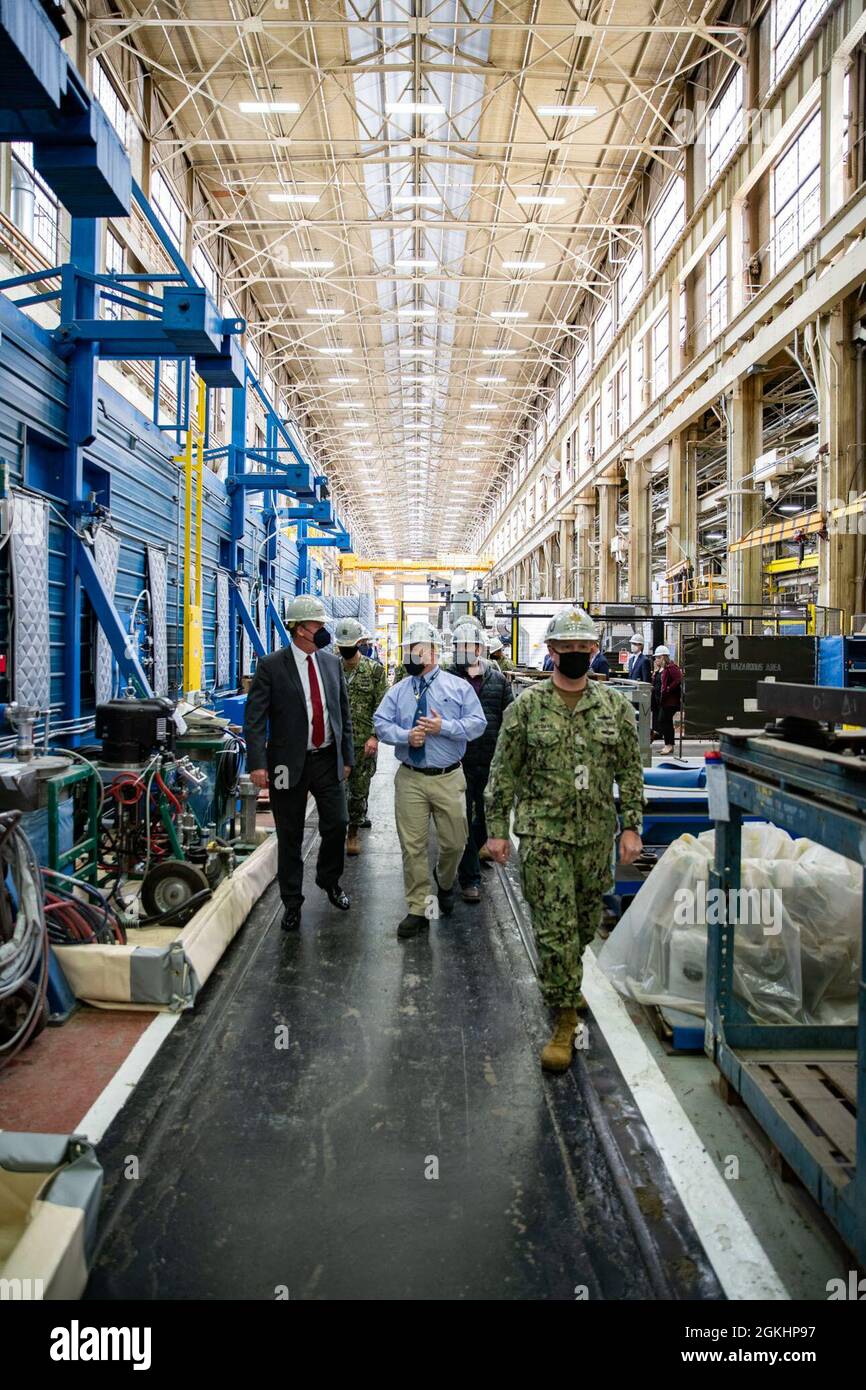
412, 924
366, 824
291, 918
337, 896
445, 897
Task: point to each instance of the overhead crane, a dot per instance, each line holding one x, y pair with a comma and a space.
480, 566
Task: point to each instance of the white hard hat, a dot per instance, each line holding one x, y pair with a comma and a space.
469, 635
573, 625
662, 651
348, 631
306, 608
636, 639
494, 641
422, 632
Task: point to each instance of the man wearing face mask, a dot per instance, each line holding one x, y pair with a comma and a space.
563, 744
495, 695
367, 684
298, 729
429, 717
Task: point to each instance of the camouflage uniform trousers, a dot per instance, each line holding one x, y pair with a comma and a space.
563, 888
359, 786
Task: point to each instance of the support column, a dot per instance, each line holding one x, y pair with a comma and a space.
745, 434
639, 530
583, 573
608, 492
682, 528
840, 464
566, 555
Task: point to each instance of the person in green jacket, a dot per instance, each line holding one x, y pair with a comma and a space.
563, 744
367, 684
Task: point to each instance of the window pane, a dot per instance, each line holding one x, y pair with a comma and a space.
667, 221
725, 126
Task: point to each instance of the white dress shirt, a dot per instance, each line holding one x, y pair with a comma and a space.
304, 673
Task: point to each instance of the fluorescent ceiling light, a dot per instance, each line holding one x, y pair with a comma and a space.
293, 197
567, 110
523, 265
416, 200
414, 108
325, 313
510, 314
351, 405
493, 352
483, 405
415, 265
533, 200
407, 311
488, 428
482, 380
417, 352
345, 380
792, 508
356, 425
336, 351
311, 265
260, 108
422, 379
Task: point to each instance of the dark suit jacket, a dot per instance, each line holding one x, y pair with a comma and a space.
276, 727
640, 668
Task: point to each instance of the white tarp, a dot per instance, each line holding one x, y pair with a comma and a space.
797, 941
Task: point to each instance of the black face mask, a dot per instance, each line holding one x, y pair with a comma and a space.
414, 667
573, 665
321, 638
348, 652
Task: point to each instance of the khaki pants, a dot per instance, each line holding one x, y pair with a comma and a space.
416, 799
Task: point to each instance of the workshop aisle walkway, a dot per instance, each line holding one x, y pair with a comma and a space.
348, 1116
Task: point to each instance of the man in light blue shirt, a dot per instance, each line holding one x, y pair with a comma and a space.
429, 718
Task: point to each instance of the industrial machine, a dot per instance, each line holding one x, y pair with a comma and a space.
805, 1084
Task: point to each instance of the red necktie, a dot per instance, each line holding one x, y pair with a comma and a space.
316, 702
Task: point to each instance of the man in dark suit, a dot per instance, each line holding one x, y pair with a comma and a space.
640, 668
299, 740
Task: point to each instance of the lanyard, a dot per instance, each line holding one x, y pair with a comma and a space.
425, 686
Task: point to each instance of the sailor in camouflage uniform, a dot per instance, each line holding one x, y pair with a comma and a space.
367, 684
562, 745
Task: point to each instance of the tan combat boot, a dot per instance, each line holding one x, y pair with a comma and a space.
353, 841
560, 1050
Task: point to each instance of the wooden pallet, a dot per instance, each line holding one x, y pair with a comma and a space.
817, 1101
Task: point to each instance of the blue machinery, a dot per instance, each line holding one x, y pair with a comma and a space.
79, 155
806, 1085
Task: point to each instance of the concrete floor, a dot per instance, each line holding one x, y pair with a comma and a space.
310, 1166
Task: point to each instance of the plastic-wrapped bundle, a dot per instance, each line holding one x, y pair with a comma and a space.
797, 939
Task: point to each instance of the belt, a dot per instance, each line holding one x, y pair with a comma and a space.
317, 752
433, 771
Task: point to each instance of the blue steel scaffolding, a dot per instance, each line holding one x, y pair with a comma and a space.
78, 154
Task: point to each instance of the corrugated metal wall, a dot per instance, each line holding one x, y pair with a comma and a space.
146, 497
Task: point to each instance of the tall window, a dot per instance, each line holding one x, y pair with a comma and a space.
717, 289
796, 194
792, 23
566, 389
609, 430
623, 402
603, 329
725, 126
106, 95
630, 283
206, 272
35, 211
115, 264
581, 366
661, 355
668, 220
166, 204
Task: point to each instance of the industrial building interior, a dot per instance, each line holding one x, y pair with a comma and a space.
428, 311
